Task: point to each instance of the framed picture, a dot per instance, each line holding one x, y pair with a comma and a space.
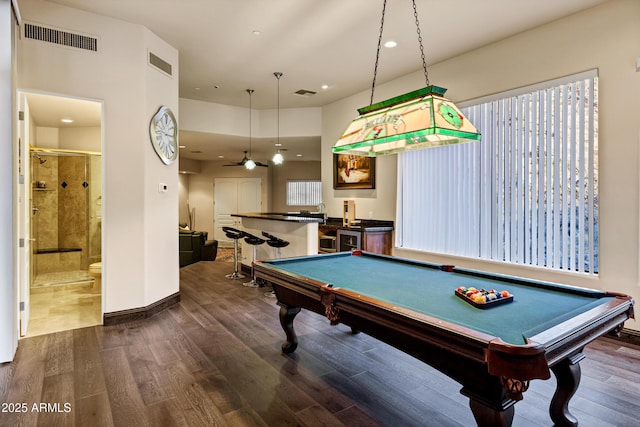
351, 171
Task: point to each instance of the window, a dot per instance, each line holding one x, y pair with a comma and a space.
304, 193
527, 193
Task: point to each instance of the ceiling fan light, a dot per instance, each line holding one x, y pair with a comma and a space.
278, 158
250, 164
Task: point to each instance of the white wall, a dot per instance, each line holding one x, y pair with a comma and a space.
46, 137
606, 37
79, 138
140, 250
8, 290
161, 275
200, 116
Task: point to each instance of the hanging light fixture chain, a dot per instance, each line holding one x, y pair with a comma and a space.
250, 92
278, 75
424, 62
375, 68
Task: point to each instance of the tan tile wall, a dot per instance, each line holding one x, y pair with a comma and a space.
62, 217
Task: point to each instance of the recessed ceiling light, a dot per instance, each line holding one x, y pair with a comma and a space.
325, 87
182, 146
197, 88
298, 155
277, 144
390, 44
66, 120
221, 157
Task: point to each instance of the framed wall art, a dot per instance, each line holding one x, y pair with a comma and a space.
350, 171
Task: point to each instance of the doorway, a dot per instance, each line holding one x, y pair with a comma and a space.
62, 168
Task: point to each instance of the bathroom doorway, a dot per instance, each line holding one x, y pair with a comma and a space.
64, 173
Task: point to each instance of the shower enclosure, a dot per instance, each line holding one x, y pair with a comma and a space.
66, 223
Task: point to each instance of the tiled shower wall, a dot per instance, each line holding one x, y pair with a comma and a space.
67, 202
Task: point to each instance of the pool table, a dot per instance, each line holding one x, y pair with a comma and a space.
492, 351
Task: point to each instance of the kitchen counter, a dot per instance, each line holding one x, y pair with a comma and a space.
299, 229
359, 224
286, 216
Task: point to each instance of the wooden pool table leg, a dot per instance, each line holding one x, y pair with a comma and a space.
287, 314
567, 373
489, 417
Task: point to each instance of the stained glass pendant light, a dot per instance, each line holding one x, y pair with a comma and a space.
420, 119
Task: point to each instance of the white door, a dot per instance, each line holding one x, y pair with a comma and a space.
233, 196
24, 257
225, 203
249, 195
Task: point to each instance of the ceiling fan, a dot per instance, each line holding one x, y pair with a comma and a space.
244, 160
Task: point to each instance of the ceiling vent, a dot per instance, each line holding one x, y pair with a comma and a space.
160, 63
60, 37
304, 92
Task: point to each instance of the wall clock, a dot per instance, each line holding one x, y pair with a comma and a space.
164, 135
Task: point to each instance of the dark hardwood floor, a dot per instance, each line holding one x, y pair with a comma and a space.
214, 359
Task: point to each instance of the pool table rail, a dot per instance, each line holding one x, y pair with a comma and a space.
582, 329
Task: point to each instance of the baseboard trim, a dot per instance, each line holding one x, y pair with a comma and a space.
132, 314
629, 336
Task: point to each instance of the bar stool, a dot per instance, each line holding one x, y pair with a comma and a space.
274, 242
253, 241
235, 234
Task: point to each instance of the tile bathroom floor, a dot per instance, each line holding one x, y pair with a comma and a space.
61, 277
56, 308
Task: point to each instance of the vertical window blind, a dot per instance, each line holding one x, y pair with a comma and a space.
304, 193
527, 193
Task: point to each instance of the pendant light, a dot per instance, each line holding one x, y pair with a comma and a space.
278, 159
415, 120
250, 164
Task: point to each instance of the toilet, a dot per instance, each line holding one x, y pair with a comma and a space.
95, 271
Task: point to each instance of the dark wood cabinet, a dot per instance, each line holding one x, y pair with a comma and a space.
371, 236
379, 242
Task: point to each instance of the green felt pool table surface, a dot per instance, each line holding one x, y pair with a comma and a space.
427, 289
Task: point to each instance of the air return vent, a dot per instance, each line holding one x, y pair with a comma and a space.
60, 37
159, 63
304, 92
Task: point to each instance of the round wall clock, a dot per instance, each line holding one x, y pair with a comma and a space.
164, 135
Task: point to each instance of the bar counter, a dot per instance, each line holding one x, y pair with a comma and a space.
299, 229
